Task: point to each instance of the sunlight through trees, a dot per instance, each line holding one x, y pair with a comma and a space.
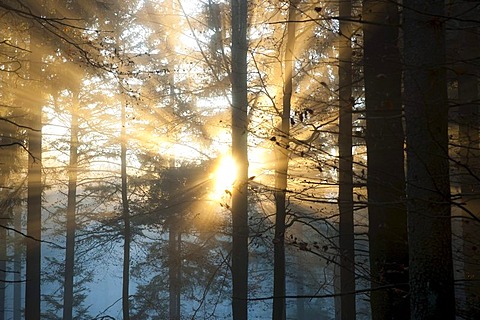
243, 159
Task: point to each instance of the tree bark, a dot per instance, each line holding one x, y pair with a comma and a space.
126, 220
387, 212
3, 265
239, 153
17, 267
345, 181
301, 279
71, 207
428, 184
281, 171
174, 266
34, 185
469, 138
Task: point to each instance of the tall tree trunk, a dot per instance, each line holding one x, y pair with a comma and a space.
302, 269
71, 207
468, 95
126, 219
281, 171
345, 181
5, 214
387, 212
3, 264
17, 266
468, 135
239, 153
34, 185
336, 287
174, 266
428, 183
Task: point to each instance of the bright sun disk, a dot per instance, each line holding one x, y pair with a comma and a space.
225, 175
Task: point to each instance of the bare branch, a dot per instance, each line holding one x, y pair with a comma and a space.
30, 237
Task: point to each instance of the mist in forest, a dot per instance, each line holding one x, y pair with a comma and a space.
211, 159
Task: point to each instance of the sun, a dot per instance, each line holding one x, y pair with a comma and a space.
224, 176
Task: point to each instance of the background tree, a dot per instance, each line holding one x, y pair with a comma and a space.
71, 209
281, 171
34, 216
12, 160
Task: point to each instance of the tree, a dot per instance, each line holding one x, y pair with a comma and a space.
428, 184
126, 218
345, 180
12, 162
13, 136
34, 218
464, 36
281, 169
3, 252
387, 223
239, 153
172, 207
17, 268
71, 209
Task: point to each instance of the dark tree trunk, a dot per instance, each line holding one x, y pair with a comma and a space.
34, 185
281, 171
301, 278
126, 220
174, 267
428, 184
3, 265
33, 265
469, 138
387, 213
239, 153
71, 207
17, 267
345, 181
468, 86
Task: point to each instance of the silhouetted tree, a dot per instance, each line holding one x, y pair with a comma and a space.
345, 180
239, 152
387, 214
428, 183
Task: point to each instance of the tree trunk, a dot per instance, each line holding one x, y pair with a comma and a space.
345, 181
17, 266
71, 207
3, 265
126, 220
336, 287
387, 213
33, 262
174, 266
282, 155
428, 184
302, 269
469, 138
239, 153
34, 185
